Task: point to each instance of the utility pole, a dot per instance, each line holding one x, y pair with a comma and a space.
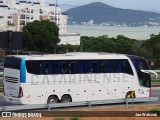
81, 45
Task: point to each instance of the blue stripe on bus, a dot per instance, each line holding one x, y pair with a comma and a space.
22, 71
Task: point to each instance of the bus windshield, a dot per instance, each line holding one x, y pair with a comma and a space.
144, 78
12, 62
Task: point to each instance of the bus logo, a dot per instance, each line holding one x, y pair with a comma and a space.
6, 114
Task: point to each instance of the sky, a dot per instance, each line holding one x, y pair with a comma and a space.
148, 5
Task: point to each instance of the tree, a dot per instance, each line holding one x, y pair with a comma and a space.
41, 36
153, 46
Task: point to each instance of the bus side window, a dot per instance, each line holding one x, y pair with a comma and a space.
107, 66
65, 68
73, 67
126, 67
45, 68
53, 67
96, 67
80, 67
87, 67
29, 66
35, 66
58, 68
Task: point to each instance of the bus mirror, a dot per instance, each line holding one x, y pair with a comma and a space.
150, 72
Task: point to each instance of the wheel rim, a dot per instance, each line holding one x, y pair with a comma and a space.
128, 96
66, 100
52, 101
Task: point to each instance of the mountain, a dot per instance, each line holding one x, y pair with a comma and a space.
65, 7
100, 13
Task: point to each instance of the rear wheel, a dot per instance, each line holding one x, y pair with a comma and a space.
52, 99
66, 98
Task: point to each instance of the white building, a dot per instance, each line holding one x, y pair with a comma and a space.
14, 16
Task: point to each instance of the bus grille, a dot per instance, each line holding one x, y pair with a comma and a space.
11, 79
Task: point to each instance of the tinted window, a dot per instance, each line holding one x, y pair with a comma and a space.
96, 66
73, 67
123, 66
87, 67
109, 66
12, 62
79, 67
45, 68
33, 67
65, 68
144, 78
54, 66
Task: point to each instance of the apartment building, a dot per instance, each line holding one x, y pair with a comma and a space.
14, 16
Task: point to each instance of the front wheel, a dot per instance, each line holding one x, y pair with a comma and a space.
130, 94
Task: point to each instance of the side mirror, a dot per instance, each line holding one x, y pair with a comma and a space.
150, 72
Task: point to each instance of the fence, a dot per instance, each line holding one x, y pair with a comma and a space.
76, 104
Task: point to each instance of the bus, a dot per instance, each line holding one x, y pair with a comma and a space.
73, 77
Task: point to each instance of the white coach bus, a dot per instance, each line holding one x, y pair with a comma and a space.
71, 77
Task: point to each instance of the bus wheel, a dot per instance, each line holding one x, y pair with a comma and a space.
52, 99
66, 98
130, 94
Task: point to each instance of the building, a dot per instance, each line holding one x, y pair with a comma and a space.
14, 16
11, 40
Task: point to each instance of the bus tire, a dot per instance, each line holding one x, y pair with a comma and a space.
66, 98
129, 95
52, 99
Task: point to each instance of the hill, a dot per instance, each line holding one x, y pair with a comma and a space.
100, 13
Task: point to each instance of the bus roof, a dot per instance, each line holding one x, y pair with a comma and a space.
73, 56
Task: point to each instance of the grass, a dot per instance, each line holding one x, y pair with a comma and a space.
1, 88
59, 119
156, 110
75, 118
155, 81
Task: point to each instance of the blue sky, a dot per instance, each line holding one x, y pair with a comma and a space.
149, 5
